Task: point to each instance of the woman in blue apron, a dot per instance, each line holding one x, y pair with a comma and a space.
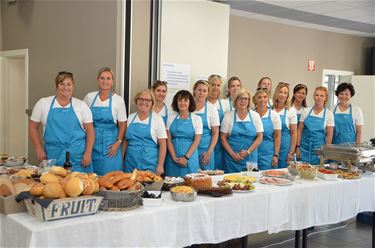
316, 128
288, 124
268, 150
234, 85
211, 123
266, 83
214, 97
241, 138
67, 124
145, 138
184, 130
160, 89
348, 118
299, 99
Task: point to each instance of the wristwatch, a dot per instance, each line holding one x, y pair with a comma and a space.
248, 152
119, 140
276, 155
187, 158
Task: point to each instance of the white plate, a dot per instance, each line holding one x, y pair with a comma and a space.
328, 177
277, 184
242, 191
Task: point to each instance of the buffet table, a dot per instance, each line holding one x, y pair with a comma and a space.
205, 220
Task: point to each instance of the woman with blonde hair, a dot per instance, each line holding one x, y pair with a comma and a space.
288, 117
268, 150
145, 143
315, 127
214, 97
160, 89
241, 133
266, 83
234, 85
109, 114
211, 123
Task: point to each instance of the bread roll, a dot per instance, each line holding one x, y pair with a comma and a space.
49, 178
37, 189
58, 170
74, 187
5, 190
89, 187
62, 194
52, 190
21, 187
7, 187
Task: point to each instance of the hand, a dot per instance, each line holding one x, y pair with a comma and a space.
182, 161
275, 161
205, 158
289, 157
298, 153
40, 154
236, 157
112, 149
86, 159
243, 153
159, 170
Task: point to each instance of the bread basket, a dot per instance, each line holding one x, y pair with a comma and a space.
121, 200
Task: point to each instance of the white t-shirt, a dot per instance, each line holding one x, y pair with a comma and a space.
196, 120
275, 118
227, 123
41, 110
298, 111
157, 125
212, 115
291, 116
224, 104
356, 114
329, 121
118, 105
163, 111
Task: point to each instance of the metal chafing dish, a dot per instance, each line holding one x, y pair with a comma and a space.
360, 155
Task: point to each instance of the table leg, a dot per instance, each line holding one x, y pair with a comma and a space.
297, 239
244, 242
304, 238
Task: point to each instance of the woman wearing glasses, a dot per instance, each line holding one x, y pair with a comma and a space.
159, 88
269, 149
184, 129
67, 126
109, 114
145, 142
348, 118
315, 127
299, 99
241, 133
288, 117
214, 97
234, 85
211, 123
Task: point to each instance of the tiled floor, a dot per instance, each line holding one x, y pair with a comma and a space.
349, 234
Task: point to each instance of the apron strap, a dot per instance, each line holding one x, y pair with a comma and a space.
93, 101
221, 107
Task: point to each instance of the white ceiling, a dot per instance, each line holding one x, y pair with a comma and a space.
355, 17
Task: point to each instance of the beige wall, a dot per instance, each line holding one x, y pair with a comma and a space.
258, 48
1, 31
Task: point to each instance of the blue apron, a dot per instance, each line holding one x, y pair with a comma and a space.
219, 150
205, 142
344, 131
230, 104
285, 142
242, 136
106, 133
142, 152
183, 134
64, 133
313, 136
266, 149
165, 117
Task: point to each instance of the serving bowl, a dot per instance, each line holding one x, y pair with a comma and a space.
306, 171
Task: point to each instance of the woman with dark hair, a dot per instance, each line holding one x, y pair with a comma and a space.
160, 88
184, 130
299, 99
348, 118
234, 85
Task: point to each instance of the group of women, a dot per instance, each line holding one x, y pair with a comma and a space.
200, 130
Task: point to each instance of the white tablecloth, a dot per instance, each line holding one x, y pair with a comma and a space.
206, 220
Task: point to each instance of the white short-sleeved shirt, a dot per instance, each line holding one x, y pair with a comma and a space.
163, 112
329, 121
196, 120
41, 110
157, 125
228, 120
291, 116
224, 104
356, 114
275, 118
118, 105
212, 115
298, 111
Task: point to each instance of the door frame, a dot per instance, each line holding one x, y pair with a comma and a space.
4, 56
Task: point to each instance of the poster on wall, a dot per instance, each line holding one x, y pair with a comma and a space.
177, 75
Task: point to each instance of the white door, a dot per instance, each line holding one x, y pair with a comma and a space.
14, 102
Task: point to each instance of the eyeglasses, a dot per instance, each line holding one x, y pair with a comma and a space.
262, 89
65, 73
301, 86
241, 98
145, 100
284, 84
